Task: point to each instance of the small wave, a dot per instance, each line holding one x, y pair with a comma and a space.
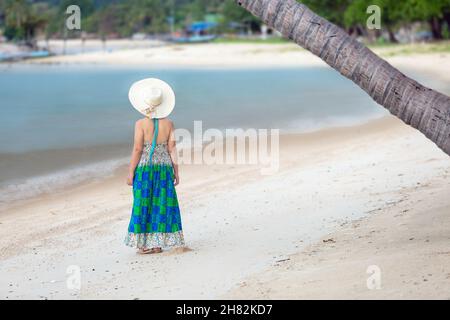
31, 187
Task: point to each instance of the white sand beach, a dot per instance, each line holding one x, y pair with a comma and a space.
217, 55
344, 199
232, 55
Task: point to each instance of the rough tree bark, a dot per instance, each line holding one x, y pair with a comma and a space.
422, 108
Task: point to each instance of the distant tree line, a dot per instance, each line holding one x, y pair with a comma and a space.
395, 14
23, 19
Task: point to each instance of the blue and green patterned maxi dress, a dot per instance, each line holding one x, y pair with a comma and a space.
155, 218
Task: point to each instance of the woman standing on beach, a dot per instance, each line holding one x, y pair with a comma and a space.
155, 219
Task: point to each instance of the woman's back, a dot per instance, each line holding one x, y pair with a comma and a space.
164, 129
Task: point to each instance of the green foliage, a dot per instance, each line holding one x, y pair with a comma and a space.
333, 10
391, 12
235, 13
425, 9
22, 19
446, 31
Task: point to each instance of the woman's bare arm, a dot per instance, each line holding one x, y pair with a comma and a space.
173, 152
137, 151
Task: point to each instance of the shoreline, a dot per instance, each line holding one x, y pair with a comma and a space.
88, 223
84, 172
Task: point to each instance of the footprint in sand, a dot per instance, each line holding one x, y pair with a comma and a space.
177, 251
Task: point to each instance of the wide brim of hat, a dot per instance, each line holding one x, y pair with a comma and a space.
137, 95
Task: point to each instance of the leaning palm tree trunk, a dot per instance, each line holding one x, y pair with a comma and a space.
422, 108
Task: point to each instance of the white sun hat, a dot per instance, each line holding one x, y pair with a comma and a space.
152, 97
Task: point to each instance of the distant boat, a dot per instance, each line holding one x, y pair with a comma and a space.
197, 32
24, 55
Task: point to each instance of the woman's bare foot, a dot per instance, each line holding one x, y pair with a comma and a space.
157, 250
144, 251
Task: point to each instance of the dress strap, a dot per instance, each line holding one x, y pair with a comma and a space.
155, 136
